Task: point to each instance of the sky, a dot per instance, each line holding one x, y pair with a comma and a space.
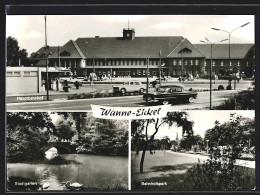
203, 120
30, 33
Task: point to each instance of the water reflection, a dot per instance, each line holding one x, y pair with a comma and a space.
94, 172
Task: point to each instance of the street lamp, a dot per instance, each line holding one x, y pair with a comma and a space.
210, 76
182, 58
86, 55
229, 35
160, 64
147, 80
46, 56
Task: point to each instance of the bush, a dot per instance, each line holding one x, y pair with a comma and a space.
221, 87
82, 96
244, 100
217, 174
229, 87
88, 95
70, 97
98, 95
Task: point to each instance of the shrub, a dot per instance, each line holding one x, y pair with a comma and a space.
217, 174
82, 96
244, 100
98, 95
229, 87
221, 87
88, 95
70, 97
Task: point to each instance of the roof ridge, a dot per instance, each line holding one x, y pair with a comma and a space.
196, 48
176, 46
78, 49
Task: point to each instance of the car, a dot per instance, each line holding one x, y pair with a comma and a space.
129, 86
170, 93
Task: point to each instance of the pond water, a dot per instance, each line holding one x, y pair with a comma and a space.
93, 171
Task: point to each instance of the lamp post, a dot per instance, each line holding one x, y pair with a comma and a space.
147, 80
93, 64
46, 56
86, 55
182, 58
160, 64
210, 76
229, 35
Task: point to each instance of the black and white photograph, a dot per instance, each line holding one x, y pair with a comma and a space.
65, 151
68, 62
194, 150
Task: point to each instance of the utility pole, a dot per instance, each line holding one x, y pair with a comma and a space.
160, 66
46, 52
147, 80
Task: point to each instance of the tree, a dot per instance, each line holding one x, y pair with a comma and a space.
27, 135
187, 142
14, 53
139, 130
219, 171
237, 133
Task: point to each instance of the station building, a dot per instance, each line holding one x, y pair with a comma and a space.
127, 56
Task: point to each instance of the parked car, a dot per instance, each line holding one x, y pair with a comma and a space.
129, 86
170, 93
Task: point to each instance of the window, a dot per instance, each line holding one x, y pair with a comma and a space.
144, 71
16, 74
205, 63
9, 74
196, 62
222, 63
230, 63
180, 62
238, 63
191, 62
247, 63
174, 62
186, 62
213, 63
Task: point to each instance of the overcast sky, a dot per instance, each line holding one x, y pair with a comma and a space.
29, 29
203, 120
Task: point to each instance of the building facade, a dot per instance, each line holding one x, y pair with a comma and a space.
130, 56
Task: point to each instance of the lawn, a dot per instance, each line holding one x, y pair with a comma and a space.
165, 171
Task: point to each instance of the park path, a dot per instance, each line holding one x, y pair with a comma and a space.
244, 163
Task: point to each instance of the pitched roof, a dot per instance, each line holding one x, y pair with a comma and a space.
185, 45
117, 47
70, 47
220, 51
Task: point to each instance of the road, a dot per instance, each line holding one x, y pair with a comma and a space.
202, 102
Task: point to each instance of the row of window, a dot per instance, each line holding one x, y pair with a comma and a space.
122, 62
222, 63
185, 62
21, 73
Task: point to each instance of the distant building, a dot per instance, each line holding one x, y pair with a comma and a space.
241, 57
21, 80
127, 56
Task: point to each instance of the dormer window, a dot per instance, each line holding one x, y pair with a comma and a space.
185, 50
65, 53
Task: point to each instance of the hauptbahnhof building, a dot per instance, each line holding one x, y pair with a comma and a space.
127, 56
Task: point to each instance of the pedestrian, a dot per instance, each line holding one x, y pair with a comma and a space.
57, 84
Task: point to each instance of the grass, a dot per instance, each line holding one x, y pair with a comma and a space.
170, 169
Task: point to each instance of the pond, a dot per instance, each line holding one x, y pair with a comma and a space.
94, 172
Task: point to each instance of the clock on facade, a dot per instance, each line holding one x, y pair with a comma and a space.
128, 34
